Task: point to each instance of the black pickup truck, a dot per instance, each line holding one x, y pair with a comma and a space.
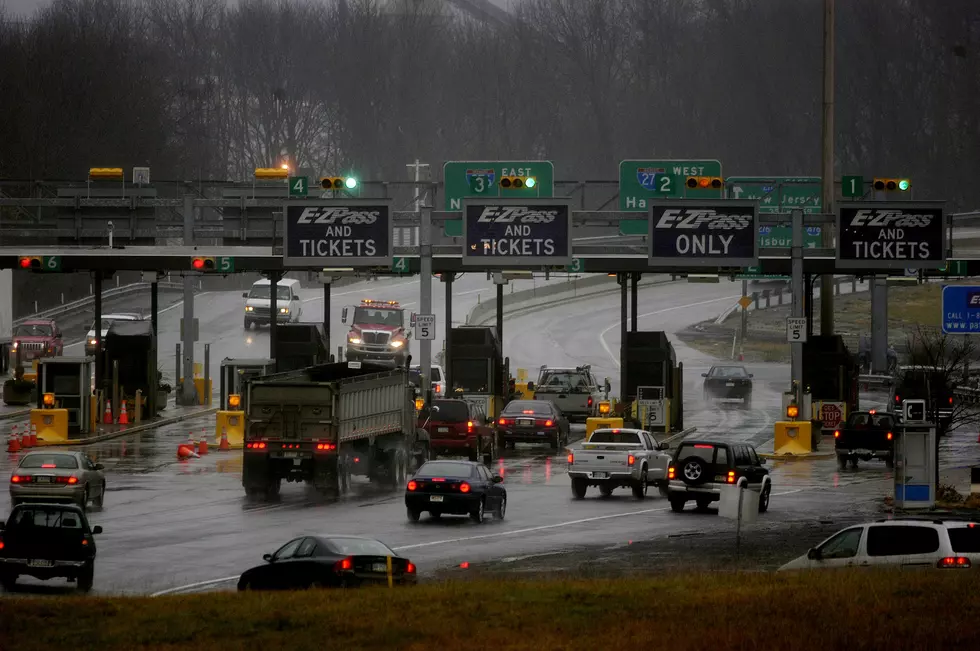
866, 435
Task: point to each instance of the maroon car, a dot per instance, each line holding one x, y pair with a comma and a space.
457, 428
36, 338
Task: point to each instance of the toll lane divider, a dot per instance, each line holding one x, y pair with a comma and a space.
142, 427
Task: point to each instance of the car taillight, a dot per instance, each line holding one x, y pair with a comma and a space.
731, 476
1, 544
344, 565
469, 427
548, 423
256, 445
502, 421
326, 446
897, 398
590, 401
464, 488
84, 542
571, 459
66, 480
410, 568
438, 390
412, 485
18, 479
951, 400
630, 460
670, 472
889, 436
954, 561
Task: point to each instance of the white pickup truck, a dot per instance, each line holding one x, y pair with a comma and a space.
614, 458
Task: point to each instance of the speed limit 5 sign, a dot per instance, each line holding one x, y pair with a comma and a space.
425, 326
796, 330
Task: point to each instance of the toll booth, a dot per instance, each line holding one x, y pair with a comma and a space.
915, 458
479, 372
133, 345
651, 365
300, 345
71, 415
229, 422
831, 373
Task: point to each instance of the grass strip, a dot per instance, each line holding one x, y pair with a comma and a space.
852, 610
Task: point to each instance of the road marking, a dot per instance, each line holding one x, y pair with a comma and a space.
615, 358
191, 586
159, 312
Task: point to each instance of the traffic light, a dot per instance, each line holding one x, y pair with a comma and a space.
517, 182
704, 183
338, 182
33, 262
203, 264
271, 173
891, 185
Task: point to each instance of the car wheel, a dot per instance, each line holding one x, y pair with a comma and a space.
556, 441
501, 510
98, 501
244, 586
8, 580
86, 577
248, 324
693, 471
640, 488
83, 502
677, 504
579, 488
478, 513
764, 499
413, 515
854, 462
748, 403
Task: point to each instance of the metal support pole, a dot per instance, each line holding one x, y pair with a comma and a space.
154, 306
326, 316
879, 324
178, 361
745, 323
500, 315
97, 329
808, 303
796, 372
115, 391
622, 337
634, 291
827, 163
274, 277
447, 357
187, 391
425, 298
207, 375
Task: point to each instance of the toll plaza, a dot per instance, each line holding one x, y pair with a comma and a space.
230, 417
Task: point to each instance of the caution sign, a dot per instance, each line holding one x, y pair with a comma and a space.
509, 232
321, 233
879, 235
712, 233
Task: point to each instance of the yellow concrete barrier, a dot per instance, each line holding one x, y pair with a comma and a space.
793, 438
203, 395
233, 423
51, 425
594, 423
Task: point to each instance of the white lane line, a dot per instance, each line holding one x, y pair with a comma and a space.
615, 358
159, 312
569, 523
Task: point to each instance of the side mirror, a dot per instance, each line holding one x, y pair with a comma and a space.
814, 554
343, 315
99, 466
751, 374
296, 298
96, 530
762, 461
607, 385
530, 386
497, 479
267, 558
704, 375
244, 294
663, 446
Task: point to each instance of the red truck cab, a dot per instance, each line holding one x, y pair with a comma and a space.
378, 332
36, 338
457, 428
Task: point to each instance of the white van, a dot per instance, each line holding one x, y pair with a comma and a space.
258, 302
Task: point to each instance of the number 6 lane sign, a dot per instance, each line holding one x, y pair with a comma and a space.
796, 330
425, 326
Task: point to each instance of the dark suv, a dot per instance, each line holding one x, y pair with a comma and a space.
47, 541
699, 469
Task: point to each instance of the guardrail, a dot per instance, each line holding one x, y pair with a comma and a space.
83, 303
969, 395
875, 380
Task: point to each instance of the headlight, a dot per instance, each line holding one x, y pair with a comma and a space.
15, 345
283, 310
353, 340
249, 308
91, 341
398, 343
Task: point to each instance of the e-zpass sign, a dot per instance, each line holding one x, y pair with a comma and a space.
899, 235
716, 232
509, 232
321, 233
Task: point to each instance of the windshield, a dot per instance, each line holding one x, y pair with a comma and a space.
568, 380
32, 330
471, 376
52, 518
728, 371
375, 316
447, 411
107, 323
359, 547
446, 469
262, 291
871, 420
49, 461
612, 436
965, 540
531, 407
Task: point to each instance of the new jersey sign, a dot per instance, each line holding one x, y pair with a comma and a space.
340, 232
713, 233
881, 235
509, 232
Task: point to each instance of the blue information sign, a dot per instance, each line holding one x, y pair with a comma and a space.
961, 309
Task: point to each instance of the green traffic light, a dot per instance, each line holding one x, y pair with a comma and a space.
903, 185
530, 182
350, 182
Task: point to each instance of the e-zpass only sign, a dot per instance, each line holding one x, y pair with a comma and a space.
717, 232
882, 235
508, 232
343, 232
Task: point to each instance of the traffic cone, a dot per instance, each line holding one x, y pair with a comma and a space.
13, 443
107, 414
224, 445
25, 439
123, 416
33, 435
202, 447
185, 452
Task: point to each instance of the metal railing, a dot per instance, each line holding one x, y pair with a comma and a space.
84, 303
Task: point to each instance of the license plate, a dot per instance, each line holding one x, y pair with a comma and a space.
443, 429
290, 455
525, 422
42, 480
435, 498
600, 475
39, 563
379, 567
729, 384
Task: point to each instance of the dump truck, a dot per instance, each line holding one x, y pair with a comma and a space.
323, 424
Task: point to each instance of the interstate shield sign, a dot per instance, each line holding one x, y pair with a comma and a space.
517, 232
709, 233
321, 233
899, 235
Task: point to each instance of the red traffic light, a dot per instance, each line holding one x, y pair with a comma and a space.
198, 263
25, 263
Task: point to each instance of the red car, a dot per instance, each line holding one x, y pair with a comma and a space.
36, 338
457, 428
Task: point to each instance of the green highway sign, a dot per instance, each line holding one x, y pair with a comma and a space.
642, 181
577, 266
852, 187
400, 265
225, 264
778, 193
298, 186
781, 237
51, 263
482, 179
755, 273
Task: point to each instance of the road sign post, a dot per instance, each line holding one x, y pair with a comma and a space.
425, 327
644, 181
320, 233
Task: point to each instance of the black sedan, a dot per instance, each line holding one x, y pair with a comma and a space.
728, 384
532, 421
329, 562
456, 488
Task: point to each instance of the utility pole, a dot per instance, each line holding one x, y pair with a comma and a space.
425, 281
827, 164
796, 352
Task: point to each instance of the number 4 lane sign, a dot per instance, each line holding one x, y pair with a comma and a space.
796, 330
425, 326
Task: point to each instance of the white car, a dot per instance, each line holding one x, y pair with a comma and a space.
107, 320
438, 380
898, 543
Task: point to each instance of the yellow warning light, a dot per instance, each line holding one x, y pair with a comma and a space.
234, 401
49, 400
792, 411
604, 407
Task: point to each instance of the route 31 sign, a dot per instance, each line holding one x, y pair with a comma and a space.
708, 232
425, 327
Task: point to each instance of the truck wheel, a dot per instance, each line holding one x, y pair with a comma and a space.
702, 504
86, 577
8, 580
272, 488
842, 462
764, 499
640, 487
579, 487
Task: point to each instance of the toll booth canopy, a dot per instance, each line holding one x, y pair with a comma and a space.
477, 365
236, 372
300, 345
650, 361
70, 380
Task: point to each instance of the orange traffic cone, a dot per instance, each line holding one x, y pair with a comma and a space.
33, 435
107, 414
25, 438
13, 443
185, 452
224, 445
123, 416
202, 446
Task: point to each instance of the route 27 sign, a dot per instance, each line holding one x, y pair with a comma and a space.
711, 232
509, 232
891, 235
321, 233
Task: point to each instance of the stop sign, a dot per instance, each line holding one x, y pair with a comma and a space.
831, 414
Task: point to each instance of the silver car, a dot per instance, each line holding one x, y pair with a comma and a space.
57, 476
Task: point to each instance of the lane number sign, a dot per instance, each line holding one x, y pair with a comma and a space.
425, 327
